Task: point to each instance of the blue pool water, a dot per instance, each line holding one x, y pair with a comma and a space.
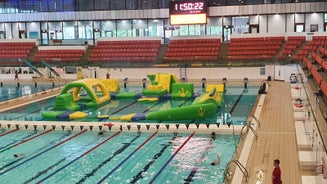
15, 90
238, 104
75, 157
83, 157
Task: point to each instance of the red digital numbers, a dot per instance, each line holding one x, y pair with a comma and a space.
189, 6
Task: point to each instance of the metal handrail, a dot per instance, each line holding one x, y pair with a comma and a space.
314, 113
254, 132
256, 120
249, 126
240, 166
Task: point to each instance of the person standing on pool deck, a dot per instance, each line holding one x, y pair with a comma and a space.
16, 75
276, 175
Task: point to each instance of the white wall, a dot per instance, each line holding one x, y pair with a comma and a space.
290, 23
8, 31
314, 18
299, 18
33, 27
276, 23
254, 19
263, 24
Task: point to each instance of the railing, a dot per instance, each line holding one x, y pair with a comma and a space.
249, 126
256, 120
240, 166
314, 114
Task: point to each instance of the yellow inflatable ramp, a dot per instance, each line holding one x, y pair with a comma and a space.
219, 87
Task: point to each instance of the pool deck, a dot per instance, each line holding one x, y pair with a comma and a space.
276, 138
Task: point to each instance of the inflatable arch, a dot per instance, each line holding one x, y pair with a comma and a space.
90, 86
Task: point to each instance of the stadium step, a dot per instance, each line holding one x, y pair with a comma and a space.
161, 53
223, 52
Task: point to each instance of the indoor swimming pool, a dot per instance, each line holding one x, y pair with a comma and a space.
117, 157
80, 155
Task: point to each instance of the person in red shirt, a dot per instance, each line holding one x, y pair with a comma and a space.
276, 175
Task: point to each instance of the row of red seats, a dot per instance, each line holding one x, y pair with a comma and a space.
126, 54
287, 52
316, 76
215, 40
323, 87
292, 47
16, 55
133, 46
303, 53
300, 38
61, 51
125, 50
140, 42
256, 43
124, 59
317, 43
251, 57
17, 43
293, 42
319, 38
58, 55
13, 51
188, 49
279, 38
177, 45
317, 58
15, 47
182, 54
311, 47
265, 47
37, 59
10, 63
247, 39
191, 58
253, 52
323, 51
275, 38
298, 57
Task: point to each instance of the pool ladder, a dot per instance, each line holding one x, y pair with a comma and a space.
248, 126
240, 166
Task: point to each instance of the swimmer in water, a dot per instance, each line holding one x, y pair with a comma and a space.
101, 133
217, 161
16, 155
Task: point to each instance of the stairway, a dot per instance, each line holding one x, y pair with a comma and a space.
161, 53
281, 49
87, 55
223, 52
32, 53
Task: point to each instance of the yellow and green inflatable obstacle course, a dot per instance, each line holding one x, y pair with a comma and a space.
202, 107
87, 93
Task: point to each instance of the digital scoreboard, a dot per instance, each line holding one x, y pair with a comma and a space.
188, 12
